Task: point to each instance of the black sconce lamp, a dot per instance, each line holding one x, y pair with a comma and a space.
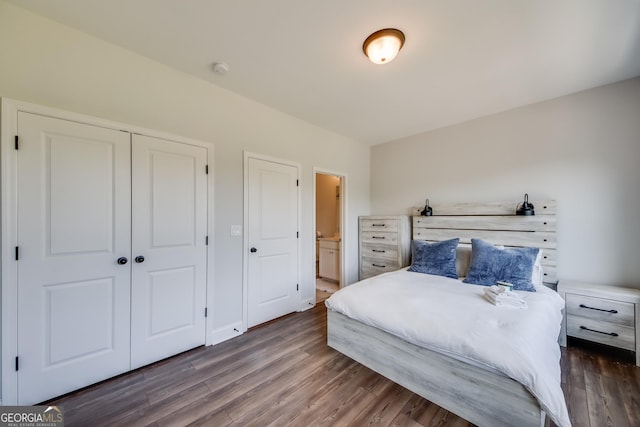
525, 208
427, 211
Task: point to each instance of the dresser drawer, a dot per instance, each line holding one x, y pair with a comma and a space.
599, 309
600, 331
371, 250
379, 237
373, 266
379, 224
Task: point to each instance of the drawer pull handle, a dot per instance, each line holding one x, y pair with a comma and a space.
377, 237
378, 265
378, 225
377, 250
613, 334
598, 309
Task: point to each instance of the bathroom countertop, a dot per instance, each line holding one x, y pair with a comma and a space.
331, 239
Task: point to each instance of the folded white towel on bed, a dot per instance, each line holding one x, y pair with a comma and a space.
500, 296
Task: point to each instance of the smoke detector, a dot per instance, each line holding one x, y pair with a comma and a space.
220, 68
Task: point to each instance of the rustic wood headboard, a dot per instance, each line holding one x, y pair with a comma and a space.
495, 222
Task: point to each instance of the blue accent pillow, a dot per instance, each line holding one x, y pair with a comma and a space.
437, 258
490, 264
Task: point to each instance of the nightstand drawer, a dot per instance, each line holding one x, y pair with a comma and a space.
606, 314
603, 332
369, 250
599, 309
379, 237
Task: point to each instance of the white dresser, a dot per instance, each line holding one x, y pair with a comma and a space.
385, 244
604, 314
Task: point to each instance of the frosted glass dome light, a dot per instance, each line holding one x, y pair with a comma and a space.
383, 45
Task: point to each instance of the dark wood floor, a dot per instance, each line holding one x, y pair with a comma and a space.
283, 373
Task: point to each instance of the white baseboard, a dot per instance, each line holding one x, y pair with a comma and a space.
226, 332
307, 304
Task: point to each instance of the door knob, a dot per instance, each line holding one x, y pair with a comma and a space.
253, 250
139, 259
122, 260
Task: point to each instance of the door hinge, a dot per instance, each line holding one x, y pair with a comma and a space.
17, 254
297, 286
206, 240
206, 311
17, 363
206, 169
297, 234
297, 183
16, 142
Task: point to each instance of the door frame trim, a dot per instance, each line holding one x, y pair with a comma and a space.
9, 109
245, 221
9, 284
344, 232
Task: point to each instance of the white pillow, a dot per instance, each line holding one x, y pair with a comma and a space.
537, 273
463, 260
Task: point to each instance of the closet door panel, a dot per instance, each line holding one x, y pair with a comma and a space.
74, 223
80, 174
169, 230
172, 206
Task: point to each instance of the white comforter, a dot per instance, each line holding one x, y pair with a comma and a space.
452, 317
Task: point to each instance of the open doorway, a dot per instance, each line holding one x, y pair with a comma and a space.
329, 196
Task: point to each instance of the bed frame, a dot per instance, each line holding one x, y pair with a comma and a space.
483, 397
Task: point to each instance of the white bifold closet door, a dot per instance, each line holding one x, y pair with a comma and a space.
74, 222
169, 217
112, 263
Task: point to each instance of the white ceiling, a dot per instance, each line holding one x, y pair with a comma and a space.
462, 59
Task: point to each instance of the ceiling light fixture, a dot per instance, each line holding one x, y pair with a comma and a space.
383, 45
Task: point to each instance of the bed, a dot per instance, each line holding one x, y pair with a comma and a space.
513, 381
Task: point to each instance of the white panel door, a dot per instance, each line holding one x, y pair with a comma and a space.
169, 226
273, 255
73, 224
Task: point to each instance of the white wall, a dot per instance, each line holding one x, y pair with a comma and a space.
46, 63
582, 150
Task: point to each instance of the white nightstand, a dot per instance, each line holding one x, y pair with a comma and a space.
605, 314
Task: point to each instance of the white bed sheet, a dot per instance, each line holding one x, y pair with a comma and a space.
453, 318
